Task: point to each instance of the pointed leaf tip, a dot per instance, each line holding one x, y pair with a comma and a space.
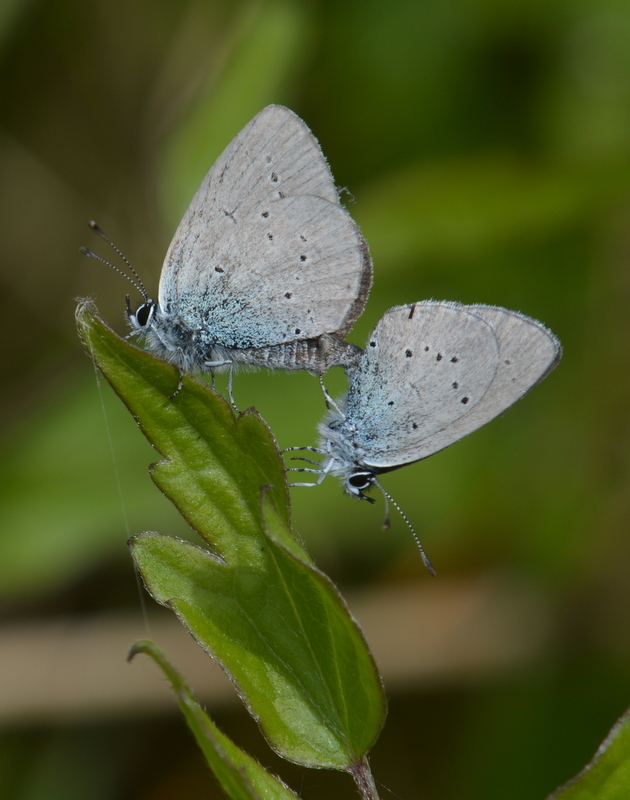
240, 776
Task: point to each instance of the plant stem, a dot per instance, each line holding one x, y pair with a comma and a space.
364, 780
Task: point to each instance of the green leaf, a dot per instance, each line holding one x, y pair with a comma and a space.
214, 469
241, 776
254, 601
286, 640
607, 775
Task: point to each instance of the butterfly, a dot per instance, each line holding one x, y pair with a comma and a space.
431, 373
266, 268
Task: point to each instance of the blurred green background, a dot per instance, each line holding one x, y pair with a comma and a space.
486, 149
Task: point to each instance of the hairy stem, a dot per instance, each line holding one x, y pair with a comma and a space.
364, 780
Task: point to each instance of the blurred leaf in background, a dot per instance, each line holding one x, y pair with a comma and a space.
486, 150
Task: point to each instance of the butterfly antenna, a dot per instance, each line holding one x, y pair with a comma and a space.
119, 252
90, 254
423, 555
137, 283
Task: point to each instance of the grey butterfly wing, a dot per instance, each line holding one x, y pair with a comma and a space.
525, 353
528, 353
425, 367
265, 253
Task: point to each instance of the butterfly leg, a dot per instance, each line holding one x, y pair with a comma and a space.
321, 472
306, 447
309, 485
330, 403
229, 388
180, 383
303, 458
308, 460
211, 366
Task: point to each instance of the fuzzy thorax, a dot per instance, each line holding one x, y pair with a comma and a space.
337, 438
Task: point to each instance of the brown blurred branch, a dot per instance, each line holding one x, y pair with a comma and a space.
424, 633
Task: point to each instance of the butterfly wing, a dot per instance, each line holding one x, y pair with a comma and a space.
528, 353
265, 253
468, 364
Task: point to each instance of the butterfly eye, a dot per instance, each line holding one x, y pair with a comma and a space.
144, 313
360, 480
